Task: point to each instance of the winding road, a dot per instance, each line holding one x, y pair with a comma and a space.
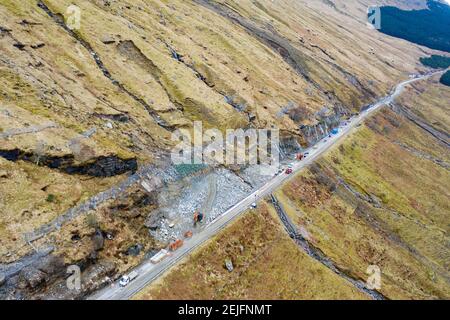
149, 272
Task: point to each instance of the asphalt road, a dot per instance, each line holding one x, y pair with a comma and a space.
149, 272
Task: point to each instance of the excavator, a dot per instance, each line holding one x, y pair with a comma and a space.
198, 217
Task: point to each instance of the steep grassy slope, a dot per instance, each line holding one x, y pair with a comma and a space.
135, 71
80, 110
390, 203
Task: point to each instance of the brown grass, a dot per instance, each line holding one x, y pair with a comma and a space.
259, 248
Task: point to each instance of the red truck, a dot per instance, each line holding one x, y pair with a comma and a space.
174, 246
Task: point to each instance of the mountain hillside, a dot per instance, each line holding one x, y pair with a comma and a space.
87, 114
379, 198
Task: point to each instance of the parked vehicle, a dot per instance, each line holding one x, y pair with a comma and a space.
125, 280
198, 217
160, 256
174, 246
289, 171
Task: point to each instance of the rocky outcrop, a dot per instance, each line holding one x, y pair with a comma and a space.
41, 272
2, 279
104, 166
97, 276
93, 277
60, 21
137, 203
31, 278
325, 120
98, 241
134, 250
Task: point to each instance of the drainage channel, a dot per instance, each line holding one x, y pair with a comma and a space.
60, 21
317, 254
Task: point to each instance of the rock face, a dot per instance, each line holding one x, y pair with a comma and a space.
31, 278
134, 205
41, 272
108, 39
98, 241
51, 265
134, 250
153, 220
107, 166
2, 279
93, 278
97, 275
3, 174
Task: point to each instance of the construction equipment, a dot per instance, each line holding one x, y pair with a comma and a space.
177, 244
198, 217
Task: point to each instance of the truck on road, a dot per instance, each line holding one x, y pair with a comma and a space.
160, 256
125, 280
174, 246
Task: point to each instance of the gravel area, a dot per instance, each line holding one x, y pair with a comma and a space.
179, 203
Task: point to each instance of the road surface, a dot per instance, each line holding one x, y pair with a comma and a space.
149, 272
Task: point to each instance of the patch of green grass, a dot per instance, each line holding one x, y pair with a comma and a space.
51, 198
